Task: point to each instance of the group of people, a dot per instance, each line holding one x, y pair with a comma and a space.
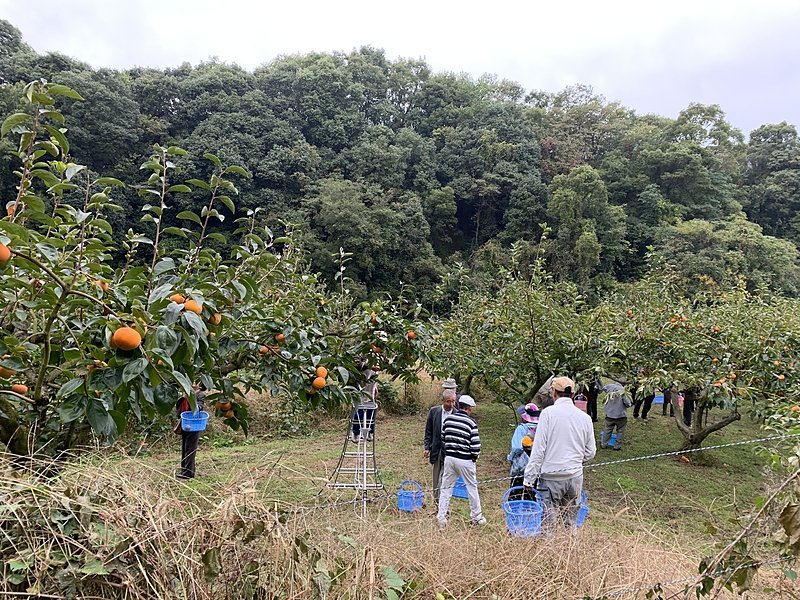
553, 446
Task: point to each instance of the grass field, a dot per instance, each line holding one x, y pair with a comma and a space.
650, 521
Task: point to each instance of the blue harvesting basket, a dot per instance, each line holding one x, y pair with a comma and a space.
409, 500
523, 517
583, 511
460, 489
191, 421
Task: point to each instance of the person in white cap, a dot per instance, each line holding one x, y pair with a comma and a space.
462, 446
564, 441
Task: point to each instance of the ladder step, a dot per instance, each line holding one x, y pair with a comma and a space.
358, 454
358, 486
357, 471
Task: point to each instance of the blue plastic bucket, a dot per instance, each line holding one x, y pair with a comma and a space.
191, 421
658, 399
583, 511
523, 517
410, 496
460, 489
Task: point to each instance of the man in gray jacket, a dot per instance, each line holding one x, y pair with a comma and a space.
616, 408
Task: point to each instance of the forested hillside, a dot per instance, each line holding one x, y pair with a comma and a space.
417, 173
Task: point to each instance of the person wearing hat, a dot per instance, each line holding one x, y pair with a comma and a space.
432, 442
564, 441
519, 460
529, 414
462, 446
616, 408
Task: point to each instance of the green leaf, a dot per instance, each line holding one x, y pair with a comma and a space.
167, 340
213, 158
100, 420
163, 266
14, 230
47, 251
69, 387
180, 188
227, 202
189, 216
133, 369
12, 121
344, 374
94, 567
212, 565
109, 181
72, 409
177, 151
199, 183
120, 421
184, 382
175, 231
62, 90
393, 579
159, 292
238, 170
59, 137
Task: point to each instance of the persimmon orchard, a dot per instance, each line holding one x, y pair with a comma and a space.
99, 327
733, 352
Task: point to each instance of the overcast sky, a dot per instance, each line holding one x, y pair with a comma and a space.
651, 56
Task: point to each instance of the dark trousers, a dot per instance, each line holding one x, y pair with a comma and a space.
645, 404
189, 443
608, 429
438, 469
688, 410
667, 401
365, 417
591, 407
520, 494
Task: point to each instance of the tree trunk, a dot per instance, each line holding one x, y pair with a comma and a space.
13, 434
695, 433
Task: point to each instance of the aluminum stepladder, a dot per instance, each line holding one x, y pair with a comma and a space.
357, 468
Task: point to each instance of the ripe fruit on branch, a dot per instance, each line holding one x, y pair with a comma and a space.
319, 383
228, 414
178, 298
193, 306
215, 319
280, 338
126, 338
19, 389
411, 335
223, 406
322, 372
5, 255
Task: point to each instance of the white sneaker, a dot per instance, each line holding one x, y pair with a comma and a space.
442, 524
478, 521
369, 437
353, 437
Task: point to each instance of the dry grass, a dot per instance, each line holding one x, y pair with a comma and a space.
101, 531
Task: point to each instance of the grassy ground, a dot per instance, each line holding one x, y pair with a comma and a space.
665, 492
649, 519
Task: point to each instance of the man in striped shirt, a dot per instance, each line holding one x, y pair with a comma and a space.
462, 446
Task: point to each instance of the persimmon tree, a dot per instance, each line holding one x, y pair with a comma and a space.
517, 336
99, 327
732, 352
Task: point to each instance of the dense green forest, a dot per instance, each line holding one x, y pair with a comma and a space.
426, 176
